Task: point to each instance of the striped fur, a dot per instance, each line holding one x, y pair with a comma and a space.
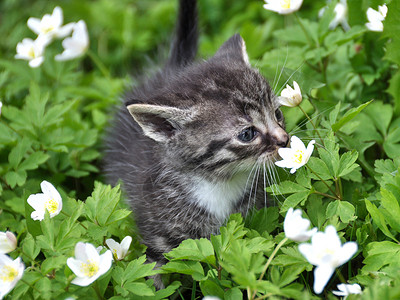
175, 145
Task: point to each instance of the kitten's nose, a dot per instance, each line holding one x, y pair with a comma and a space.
280, 136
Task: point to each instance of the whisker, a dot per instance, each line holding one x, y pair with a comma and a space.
294, 72
283, 66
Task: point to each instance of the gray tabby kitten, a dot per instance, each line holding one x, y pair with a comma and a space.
186, 140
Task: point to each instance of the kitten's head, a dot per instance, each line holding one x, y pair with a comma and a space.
215, 118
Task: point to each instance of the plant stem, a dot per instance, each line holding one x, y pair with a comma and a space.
64, 213
308, 37
312, 123
269, 262
99, 64
339, 274
97, 290
333, 192
325, 195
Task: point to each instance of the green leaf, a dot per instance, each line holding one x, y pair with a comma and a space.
139, 288
30, 248
192, 268
391, 205
294, 200
286, 187
346, 163
211, 288
343, 209
380, 254
53, 263
349, 115
138, 269
379, 219
18, 152
16, 178
197, 250
34, 160
168, 291
318, 166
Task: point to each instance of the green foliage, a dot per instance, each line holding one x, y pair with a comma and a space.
53, 121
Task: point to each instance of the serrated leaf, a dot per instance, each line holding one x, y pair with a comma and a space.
137, 269
391, 205
343, 209
346, 163
294, 200
379, 219
211, 288
197, 250
53, 263
18, 152
30, 248
34, 160
192, 268
139, 288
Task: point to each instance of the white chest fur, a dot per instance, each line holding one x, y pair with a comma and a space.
220, 198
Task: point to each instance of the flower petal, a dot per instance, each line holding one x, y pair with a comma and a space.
322, 274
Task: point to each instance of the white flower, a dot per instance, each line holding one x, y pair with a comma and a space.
347, 289
50, 25
11, 272
32, 50
375, 18
8, 242
1, 105
296, 228
326, 252
76, 45
211, 298
50, 199
340, 16
283, 7
119, 250
291, 97
296, 156
88, 265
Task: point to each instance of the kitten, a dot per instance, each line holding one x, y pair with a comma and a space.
186, 141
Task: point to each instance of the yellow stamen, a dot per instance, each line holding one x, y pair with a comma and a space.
51, 206
31, 53
298, 156
285, 4
48, 29
8, 274
90, 268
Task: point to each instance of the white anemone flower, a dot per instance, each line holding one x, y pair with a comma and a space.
340, 16
76, 45
50, 199
11, 272
32, 50
296, 156
347, 289
326, 252
50, 26
119, 250
296, 227
283, 7
88, 265
291, 97
8, 242
375, 18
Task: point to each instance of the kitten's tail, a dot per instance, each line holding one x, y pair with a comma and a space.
184, 46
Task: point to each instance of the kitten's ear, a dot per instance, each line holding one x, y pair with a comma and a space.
159, 122
233, 49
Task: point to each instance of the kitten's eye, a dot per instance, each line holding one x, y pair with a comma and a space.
248, 134
278, 115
